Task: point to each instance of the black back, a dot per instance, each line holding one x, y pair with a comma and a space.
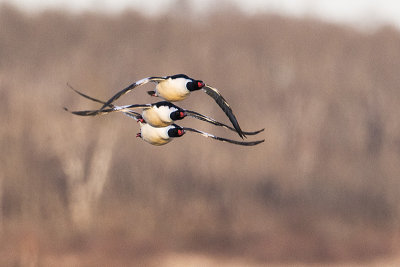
165, 103
176, 76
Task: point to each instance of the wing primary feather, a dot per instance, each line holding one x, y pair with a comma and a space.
130, 88
216, 95
90, 112
113, 108
128, 107
217, 123
85, 96
102, 112
242, 143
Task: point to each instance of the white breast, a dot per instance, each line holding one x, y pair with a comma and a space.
153, 135
158, 116
173, 89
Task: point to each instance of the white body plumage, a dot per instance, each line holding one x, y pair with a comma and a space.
158, 116
173, 89
153, 135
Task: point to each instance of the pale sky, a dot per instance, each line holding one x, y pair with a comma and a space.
362, 13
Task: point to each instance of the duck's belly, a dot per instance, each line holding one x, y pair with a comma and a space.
154, 119
172, 90
154, 136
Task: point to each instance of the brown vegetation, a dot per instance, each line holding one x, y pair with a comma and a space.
325, 186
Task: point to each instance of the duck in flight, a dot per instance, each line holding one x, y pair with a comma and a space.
160, 114
178, 87
162, 135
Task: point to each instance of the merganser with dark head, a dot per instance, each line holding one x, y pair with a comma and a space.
160, 114
178, 87
158, 135
163, 135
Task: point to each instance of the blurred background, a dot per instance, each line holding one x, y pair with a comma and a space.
322, 77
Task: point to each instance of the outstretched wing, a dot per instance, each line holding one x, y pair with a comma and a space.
216, 95
125, 109
131, 87
253, 143
217, 123
90, 112
86, 96
113, 108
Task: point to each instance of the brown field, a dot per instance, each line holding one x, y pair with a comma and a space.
323, 189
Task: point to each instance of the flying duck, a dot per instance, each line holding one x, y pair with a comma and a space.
178, 87
160, 114
163, 135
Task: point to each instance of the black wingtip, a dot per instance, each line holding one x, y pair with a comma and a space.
253, 143
219, 99
239, 132
255, 132
259, 142
70, 86
235, 124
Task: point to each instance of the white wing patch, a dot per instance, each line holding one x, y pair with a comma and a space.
142, 81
